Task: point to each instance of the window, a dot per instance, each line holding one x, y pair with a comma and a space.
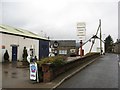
62, 51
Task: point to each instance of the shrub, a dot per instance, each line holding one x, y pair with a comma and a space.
55, 61
58, 62
25, 54
6, 56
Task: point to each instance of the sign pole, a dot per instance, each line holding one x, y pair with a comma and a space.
81, 53
81, 32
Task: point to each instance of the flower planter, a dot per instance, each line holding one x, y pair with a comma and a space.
47, 72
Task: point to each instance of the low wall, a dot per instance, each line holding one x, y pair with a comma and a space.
50, 72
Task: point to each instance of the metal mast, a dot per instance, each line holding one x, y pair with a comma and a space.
96, 35
100, 39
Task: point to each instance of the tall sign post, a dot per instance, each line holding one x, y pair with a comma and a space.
81, 33
81, 50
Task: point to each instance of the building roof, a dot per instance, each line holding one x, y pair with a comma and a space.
19, 32
65, 43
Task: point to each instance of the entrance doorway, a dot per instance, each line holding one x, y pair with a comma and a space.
14, 53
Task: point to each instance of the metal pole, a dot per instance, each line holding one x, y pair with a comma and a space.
94, 38
81, 48
100, 39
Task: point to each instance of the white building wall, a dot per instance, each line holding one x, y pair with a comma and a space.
8, 40
22, 42
28, 43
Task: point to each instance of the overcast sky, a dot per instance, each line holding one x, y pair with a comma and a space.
58, 18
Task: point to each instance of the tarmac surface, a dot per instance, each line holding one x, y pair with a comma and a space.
119, 71
0, 75
20, 77
103, 73
13, 77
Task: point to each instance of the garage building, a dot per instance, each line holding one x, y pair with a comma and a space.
15, 39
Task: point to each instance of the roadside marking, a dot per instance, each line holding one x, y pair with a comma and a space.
118, 60
118, 57
119, 63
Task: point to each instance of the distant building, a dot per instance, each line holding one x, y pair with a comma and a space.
64, 47
15, 39
116, 47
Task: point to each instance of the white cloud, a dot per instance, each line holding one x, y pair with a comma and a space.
58, 18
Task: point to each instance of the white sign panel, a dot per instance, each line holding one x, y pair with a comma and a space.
33, 71
81, 30
81, 24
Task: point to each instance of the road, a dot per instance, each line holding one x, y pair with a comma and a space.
103, 73
0, 76
119, 72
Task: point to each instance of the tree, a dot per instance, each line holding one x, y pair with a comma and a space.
25, 54
6, 56
108, 44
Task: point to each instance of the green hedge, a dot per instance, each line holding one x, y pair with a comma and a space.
55, 61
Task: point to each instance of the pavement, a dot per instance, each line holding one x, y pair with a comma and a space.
13, 77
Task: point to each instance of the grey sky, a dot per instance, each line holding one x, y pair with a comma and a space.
58, 18
119, 20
